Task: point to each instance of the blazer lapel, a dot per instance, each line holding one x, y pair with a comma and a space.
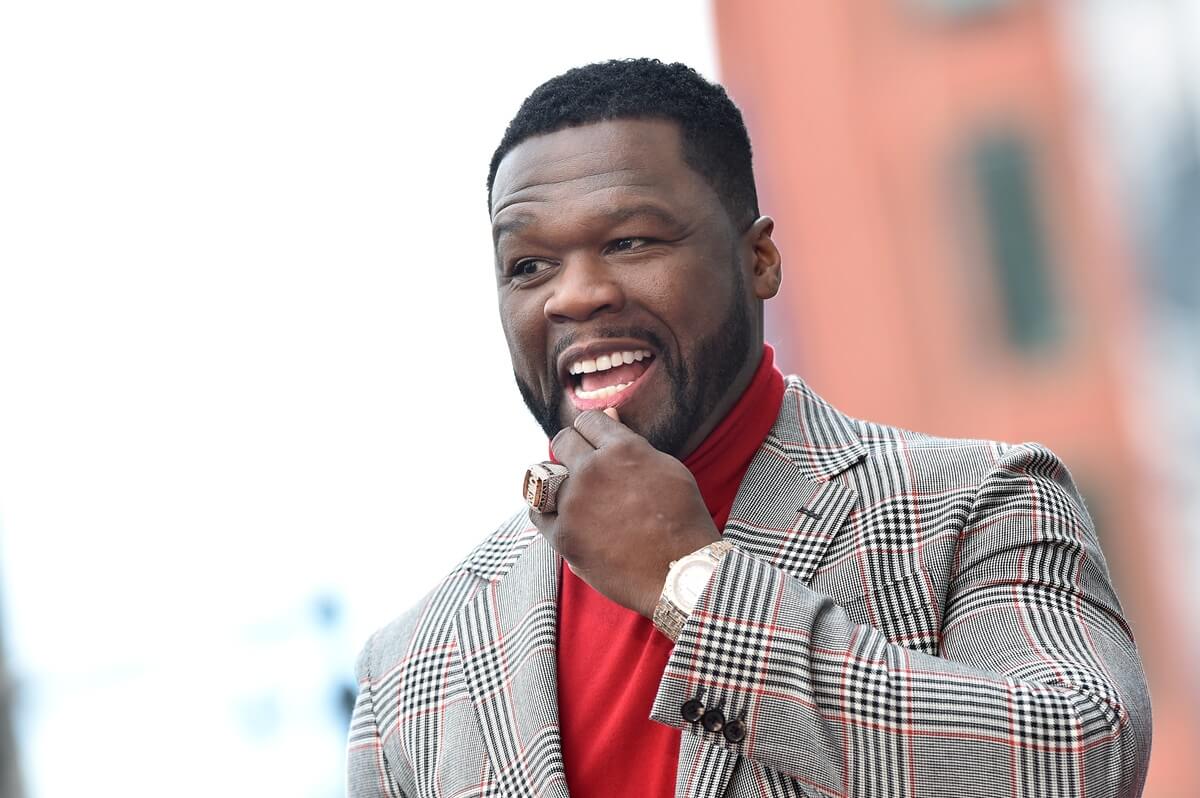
787, 512
788, 508
507, 638
785, 517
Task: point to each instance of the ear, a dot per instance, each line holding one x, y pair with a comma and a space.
767, 272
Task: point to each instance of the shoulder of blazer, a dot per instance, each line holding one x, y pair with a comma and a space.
825, 442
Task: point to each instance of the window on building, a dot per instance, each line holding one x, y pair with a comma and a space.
962, 8
1002, 172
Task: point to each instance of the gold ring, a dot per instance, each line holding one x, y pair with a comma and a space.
542, 481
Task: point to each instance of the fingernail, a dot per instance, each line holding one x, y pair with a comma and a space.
611, 412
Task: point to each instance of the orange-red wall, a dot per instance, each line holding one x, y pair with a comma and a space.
860, 114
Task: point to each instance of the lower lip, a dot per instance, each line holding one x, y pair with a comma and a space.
617, 399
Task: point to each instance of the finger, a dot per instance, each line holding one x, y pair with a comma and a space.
600, 430
544, 523
570, 448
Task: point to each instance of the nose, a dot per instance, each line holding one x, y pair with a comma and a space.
585, 287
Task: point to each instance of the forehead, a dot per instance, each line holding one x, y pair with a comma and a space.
599, 163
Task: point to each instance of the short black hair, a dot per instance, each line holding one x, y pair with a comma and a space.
715, 142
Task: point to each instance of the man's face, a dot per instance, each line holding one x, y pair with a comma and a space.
621, 282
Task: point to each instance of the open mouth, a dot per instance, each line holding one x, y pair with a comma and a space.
608, 379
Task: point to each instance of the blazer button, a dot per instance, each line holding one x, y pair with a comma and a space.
692, 710
713, 720
735, 731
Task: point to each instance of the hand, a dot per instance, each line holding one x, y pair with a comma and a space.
626, 511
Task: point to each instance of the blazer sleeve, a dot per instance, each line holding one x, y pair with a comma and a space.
1036, 688
368, 772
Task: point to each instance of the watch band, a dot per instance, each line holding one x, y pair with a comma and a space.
669, 617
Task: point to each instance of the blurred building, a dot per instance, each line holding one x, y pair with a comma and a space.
956, 261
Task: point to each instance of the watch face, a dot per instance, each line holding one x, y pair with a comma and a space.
690, 580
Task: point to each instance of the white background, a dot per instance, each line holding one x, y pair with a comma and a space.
249, 358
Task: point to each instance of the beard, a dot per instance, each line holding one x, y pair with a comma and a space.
695, 396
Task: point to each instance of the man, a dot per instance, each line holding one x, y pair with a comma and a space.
736, 589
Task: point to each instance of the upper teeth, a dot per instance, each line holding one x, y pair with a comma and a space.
606, 362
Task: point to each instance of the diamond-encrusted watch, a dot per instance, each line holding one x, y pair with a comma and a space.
686, 580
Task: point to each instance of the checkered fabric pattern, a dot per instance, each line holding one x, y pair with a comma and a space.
902, 616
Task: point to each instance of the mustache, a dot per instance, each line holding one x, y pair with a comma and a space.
571, 338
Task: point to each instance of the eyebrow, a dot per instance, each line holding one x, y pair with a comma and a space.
613, 217
512, 225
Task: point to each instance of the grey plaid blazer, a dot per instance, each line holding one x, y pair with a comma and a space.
902, 615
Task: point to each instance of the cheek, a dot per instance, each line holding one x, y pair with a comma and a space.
524, 331
693, 295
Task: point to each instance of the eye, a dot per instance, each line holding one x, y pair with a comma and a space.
628, 244
530, 267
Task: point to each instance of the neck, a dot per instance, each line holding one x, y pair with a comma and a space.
738, 387
719, 463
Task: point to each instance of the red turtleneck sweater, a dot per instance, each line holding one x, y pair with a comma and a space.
611, 660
